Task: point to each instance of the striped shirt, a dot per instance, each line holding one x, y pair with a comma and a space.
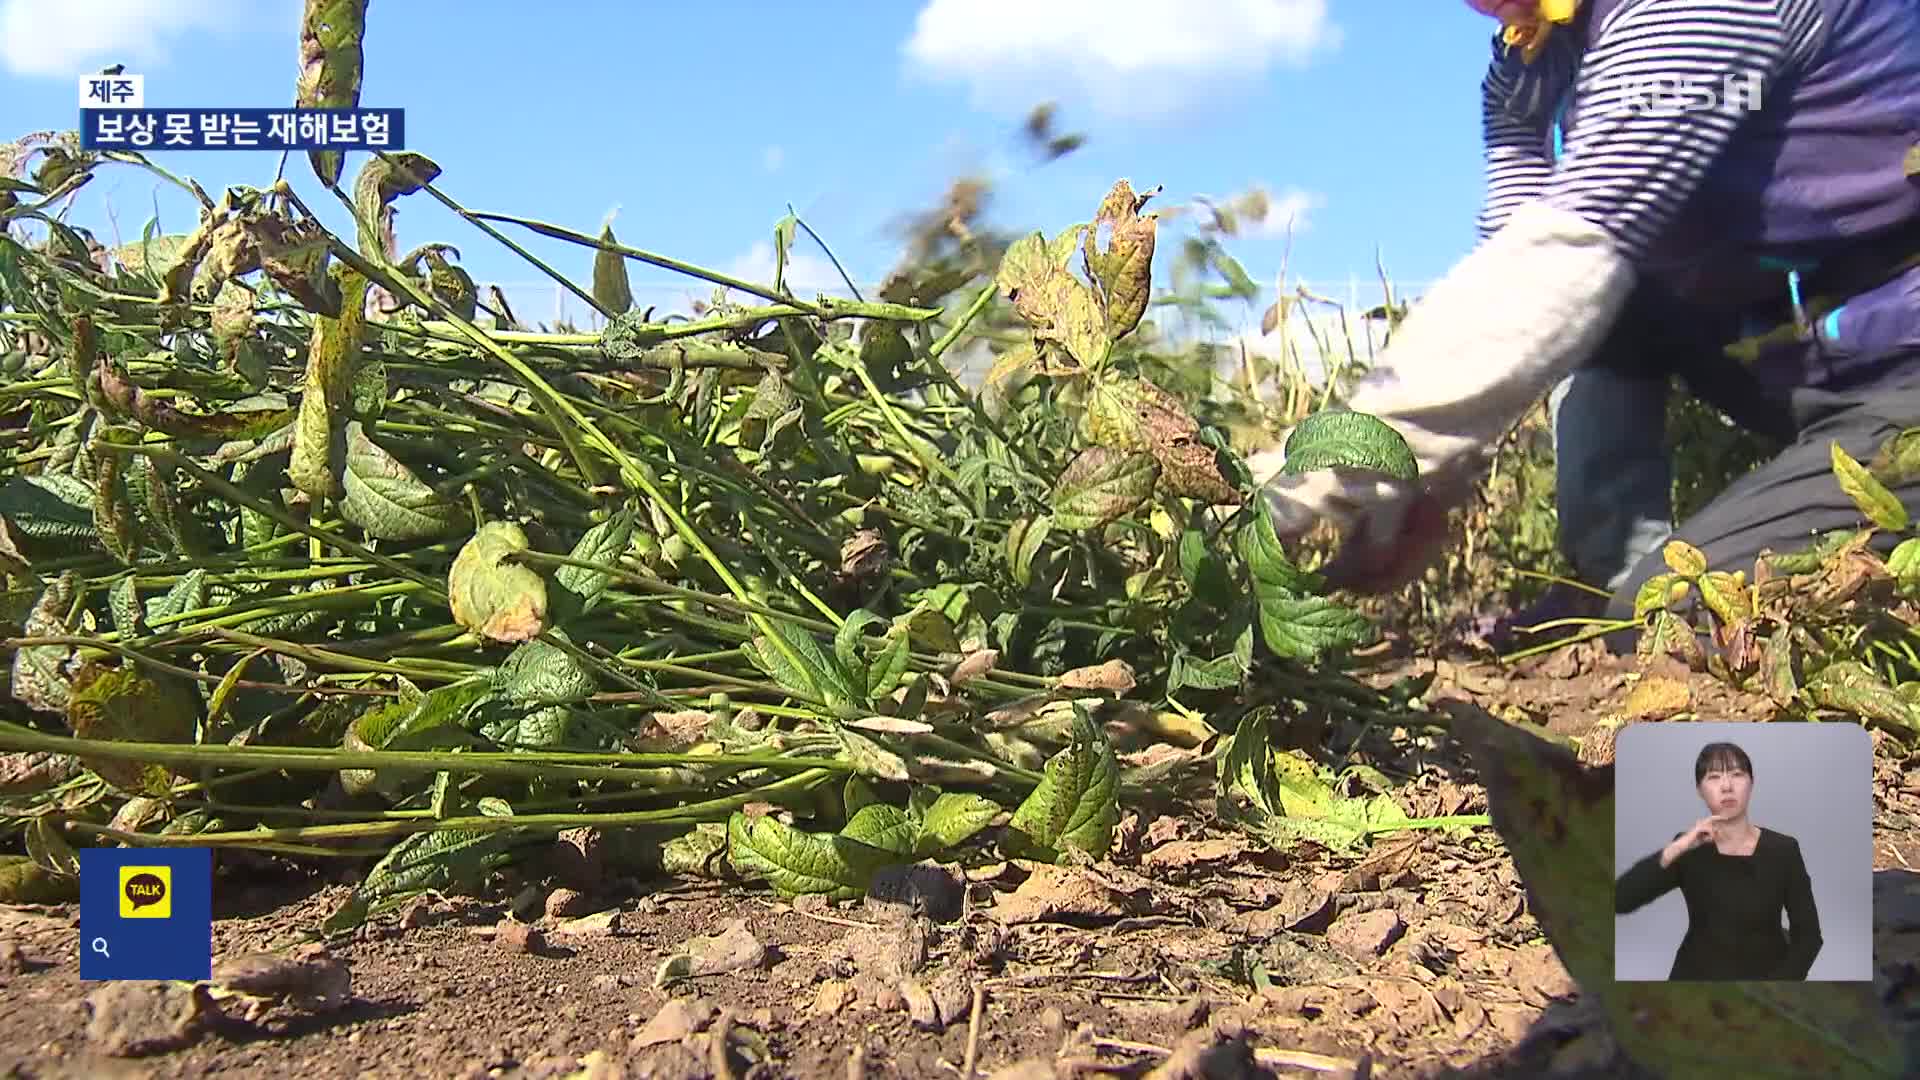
1630, 170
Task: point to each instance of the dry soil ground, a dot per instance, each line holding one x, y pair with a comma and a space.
1188, 954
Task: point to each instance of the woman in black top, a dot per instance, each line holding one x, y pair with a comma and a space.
1736, 877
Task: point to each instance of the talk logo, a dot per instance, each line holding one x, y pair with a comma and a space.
146, 892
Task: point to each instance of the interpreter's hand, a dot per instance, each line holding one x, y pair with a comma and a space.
1702, 833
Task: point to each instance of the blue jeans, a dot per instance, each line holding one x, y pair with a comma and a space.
1613, 482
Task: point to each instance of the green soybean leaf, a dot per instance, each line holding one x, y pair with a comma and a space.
123, 603
890, 667
802, 667
389, 500
847, 650
882, 826
1294, 622
1074, 805
576, 588
1339, 438
1305, 627
50, 506
1267, 559
187, 594
446, 861
412, 721
1246, 769
796, 862
1219, 673
952, 820
552, 682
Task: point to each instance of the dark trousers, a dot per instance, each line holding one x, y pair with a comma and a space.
1784, 503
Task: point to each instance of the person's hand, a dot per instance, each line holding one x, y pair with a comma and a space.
1523, 310
1702, 832
1394, 530
1392, 549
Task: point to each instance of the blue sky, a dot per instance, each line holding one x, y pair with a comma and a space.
699, 122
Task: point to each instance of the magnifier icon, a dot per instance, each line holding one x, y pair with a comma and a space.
100, 946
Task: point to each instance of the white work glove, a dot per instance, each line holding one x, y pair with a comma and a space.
1515, 316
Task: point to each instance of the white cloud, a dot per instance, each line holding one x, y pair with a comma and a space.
68, 38
806, 272
1136, 59
1289, 211
773, 157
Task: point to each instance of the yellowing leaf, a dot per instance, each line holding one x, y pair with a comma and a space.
1876, 503
1081, 328
1726, 597
127, 704
1904, 562
1656, 697
1852, 687
295, 257
1684, 559
494, 598
1026, 262
1777, 668
333, 351
331, 61
1191, 469
451, 285
1100, 486
1123, 270
379, 182
1653, 594
1898, 459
